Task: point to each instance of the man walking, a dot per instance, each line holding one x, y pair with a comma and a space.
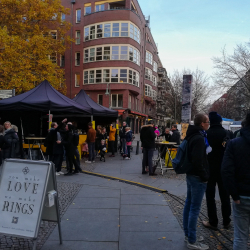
91, 136
123, 137
147, 138
216, 136
196, 179
176, 137
235, 174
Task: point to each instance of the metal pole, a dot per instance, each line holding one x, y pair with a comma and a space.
137, 148
92, 118
110, 96
49, 119
175, 107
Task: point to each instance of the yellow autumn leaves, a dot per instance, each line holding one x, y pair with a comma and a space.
30, 33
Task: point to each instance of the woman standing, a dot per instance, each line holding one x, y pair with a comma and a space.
11, 137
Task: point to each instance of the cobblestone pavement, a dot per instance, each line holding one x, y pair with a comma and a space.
221, 239
67, 192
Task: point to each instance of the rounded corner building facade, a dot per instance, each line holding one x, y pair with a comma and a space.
114, 58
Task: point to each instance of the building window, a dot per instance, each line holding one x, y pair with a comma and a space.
86, 34
154, 80
148, 90
78, 37
148, 74
112, 29
107, 52
155, 67
111, 75
154, 95
52, 58
87, 10
77, 58
100, 99
99, 7
149, 58
86, 77
63, 17
53, 35
77, 79
98, 76
62, 61
78, 16
117, 101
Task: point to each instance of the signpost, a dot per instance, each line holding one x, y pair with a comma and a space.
28, 194
186, 103
7, 93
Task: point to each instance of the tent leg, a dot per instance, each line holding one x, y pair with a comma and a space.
92, 118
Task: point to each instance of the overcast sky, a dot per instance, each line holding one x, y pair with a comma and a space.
190, 32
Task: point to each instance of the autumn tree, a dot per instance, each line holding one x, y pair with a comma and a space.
32, 38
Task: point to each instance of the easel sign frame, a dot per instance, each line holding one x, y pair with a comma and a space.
24, 198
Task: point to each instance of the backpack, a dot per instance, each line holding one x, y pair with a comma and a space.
181, 162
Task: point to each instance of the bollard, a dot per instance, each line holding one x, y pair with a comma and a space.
137, 148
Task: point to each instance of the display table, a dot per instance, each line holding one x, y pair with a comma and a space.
159, 161
37, 142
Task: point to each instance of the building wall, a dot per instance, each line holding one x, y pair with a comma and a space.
147, 43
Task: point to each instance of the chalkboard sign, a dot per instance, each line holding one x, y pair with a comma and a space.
24, 189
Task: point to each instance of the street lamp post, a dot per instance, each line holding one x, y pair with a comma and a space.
108, 92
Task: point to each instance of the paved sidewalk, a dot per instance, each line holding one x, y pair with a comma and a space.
111, 215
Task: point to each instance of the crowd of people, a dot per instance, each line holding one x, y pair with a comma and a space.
217, 159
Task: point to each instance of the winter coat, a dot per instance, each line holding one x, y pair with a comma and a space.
11, 137
166, 136
68, 140
215, 136
112, 133
91, 135
103, 136
147, 137
176, 137
128, 136
235, 169
52, 147
122, 132
197, 153
98, 139
3, 145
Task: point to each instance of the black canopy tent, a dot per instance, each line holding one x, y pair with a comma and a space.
36, 104
96, 109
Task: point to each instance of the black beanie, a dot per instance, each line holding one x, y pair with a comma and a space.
214, 118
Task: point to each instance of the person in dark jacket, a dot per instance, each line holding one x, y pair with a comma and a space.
235, 172
122, 134
147, 138
176, 137
216, 136
102, 148
69, 145
10, 135
4, 144
196, 179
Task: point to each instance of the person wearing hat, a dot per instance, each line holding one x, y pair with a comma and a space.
216, 135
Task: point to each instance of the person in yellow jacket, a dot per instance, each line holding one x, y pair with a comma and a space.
112, 132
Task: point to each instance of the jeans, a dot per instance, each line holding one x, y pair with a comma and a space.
91, 151
195, 192
225, 202
147, 159
58, 159
241, 213
128, 148
124, 146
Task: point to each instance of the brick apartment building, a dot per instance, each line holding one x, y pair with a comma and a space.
115, 59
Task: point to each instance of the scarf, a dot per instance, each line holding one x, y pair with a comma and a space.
208, 148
